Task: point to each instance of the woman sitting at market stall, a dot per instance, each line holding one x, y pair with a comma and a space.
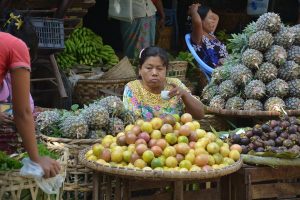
205, 43
145, 96
15, 59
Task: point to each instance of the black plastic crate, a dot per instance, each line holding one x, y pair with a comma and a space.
50, 32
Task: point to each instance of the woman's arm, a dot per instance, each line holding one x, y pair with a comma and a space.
20, 79
197, 30
192, 105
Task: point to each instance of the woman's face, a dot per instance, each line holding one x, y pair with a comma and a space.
210, 22
153, 73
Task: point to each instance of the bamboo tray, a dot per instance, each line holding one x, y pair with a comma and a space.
156, 174
247, 113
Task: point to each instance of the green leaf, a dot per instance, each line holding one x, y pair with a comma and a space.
74, 107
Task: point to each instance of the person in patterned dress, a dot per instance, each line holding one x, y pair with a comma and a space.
205, 43
143, 96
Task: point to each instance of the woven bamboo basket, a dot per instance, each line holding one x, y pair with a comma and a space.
250, 114
87, 90
12, 184
217, 122
158, 175
177, 69
78, 183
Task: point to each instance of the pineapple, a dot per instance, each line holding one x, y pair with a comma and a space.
113, 104
96, 116
115, 126
292, 103
209, 91
289, 71
277, 88
296, 30
267, 72
253, 105
46, 120
128, 117
241, 75
261, 40
276, 55
270, 22
285, 37
274, 104
256, 89
96, 134
252, 58
217, 102
227, 89
294, 88
293, 53
220, 74
74, 127
235, 103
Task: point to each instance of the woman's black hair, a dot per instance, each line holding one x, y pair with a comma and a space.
202, 11
153, 51
25, 32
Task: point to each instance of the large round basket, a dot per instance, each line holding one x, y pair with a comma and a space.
12, 185
157, 174
87, 90
78, 183
250, 114
214, 121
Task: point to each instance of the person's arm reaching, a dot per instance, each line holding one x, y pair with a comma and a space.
197, 30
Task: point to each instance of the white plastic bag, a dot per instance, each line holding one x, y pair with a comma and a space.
33, 170
120, 10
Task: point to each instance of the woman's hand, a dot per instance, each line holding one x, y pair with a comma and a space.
5, 119
177, 91
193, 8
51, 167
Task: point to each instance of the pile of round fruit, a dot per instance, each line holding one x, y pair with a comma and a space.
170, 143
275, 136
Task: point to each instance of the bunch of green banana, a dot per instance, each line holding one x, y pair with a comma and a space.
86, 48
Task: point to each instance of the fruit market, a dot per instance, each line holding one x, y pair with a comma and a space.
150, 99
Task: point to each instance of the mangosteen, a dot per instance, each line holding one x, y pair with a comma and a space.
245, 149
249, 133
284, 124
260, 149
273, 135
296, 148
293, 120
254, 137
284, 135
257, 131
292, 129
264, 137
245, 140
258, 143
266, 128
293, 137
269, 143
277, 129
271, 149
288, 143
236, 138
281, 149
273, 123
251, 146
279, 141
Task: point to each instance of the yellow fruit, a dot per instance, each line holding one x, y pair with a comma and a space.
92, 158
127, 155
156, 162
211, 136
171, 138
224, 151
185, 164
186, 117
196, 124
236, 147
106, 142
211, 160
195, 168
156, 134
156, 123
116, 156
191, 125
171, 162
169, 151
139, 163
200, 133
177, 117
200, 150
190, 157
234, 154
101, 161
139, 122
218, 158
147, 156
147, 127
129, 127
219, 142
229, 161
89, 153
183, 139
213, 147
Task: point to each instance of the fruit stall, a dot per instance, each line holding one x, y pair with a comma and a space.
247, 146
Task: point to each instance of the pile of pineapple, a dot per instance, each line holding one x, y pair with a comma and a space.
102, 117
263, 70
